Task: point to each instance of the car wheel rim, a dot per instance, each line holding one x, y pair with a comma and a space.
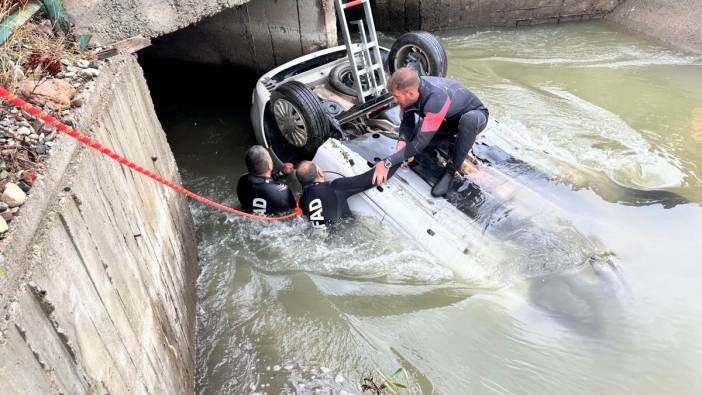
290, 122
413, 57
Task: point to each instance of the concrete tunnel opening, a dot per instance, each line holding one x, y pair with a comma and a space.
203, 75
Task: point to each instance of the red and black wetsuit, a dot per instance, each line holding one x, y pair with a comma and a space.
447, 111
325, 202
264, 195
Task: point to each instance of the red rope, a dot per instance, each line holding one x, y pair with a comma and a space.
37, 113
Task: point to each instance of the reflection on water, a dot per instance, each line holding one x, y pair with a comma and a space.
599, 123
599, 100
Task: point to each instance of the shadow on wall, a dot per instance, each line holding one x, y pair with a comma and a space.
179, 86
259, 34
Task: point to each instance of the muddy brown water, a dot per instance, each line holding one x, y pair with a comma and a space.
600, 115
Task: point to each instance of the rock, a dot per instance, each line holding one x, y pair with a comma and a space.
65, 62
41, 149
3, 207
56, 93
28, 176
77, 102
46, 30
70, 74
34, 136
94, 64
339, 379
13, 195
23, 130
17, 73
14, 210
83, 63
3, 225
7, 216
72, 69
24, 186
89, 73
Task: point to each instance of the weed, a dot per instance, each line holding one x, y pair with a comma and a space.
33, 48
384, 385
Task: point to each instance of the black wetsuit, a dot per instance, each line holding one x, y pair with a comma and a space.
325, 202
448, 114
264, 195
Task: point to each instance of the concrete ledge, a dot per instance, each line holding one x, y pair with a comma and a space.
112, 20
259, 35
99, 295
676, 23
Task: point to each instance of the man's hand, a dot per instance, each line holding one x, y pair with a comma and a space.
400, 145
381, 173
288, 168
407, 162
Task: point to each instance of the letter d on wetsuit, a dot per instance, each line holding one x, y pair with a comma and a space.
326, 202
264, 195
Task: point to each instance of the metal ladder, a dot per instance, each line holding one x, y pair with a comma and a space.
376, 84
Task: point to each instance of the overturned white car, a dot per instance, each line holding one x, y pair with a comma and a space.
306, 109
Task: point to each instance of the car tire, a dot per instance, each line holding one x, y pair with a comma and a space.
341, 79
299, 116
416, 49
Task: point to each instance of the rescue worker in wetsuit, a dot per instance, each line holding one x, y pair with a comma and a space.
325, 202
259, 191
448, 113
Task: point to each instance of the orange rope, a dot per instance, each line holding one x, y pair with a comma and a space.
37, 113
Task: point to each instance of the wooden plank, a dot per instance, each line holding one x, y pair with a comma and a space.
129, 45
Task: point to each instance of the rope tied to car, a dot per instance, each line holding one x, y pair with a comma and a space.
85, 140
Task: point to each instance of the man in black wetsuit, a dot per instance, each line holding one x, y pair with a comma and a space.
448, 113
325, 202
259, 191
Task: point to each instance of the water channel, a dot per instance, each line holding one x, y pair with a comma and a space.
599, 115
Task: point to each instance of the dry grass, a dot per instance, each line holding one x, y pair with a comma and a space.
32, 48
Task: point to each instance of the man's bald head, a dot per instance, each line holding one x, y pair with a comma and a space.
307, 172
403, 79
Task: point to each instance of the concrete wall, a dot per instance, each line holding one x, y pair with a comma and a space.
676, 22
111, 20
99, 296
400, 15
260, 34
